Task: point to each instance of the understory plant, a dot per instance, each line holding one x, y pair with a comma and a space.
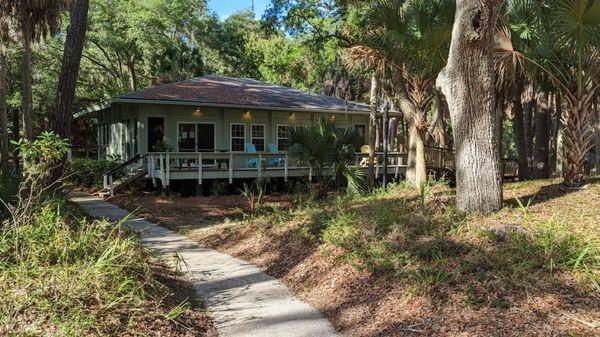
254, 195
329, 151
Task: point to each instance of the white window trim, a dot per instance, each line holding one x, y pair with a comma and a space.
264, 137
231, 137
277, 134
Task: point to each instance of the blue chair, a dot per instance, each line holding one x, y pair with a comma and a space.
275, 161
251, 162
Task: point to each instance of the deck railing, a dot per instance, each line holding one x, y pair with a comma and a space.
161, 165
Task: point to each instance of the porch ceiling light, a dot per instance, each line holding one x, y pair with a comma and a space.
292, 115
247, 114
197, 112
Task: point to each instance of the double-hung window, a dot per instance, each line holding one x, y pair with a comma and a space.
237, 136
258, 136
283, 137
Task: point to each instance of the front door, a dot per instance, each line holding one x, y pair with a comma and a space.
206, 137
156, 133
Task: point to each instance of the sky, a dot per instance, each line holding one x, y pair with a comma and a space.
225, 8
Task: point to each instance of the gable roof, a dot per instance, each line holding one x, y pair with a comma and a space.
244, 92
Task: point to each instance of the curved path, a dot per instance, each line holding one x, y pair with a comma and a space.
242, 300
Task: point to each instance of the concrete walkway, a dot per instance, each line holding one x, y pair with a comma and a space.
242, 300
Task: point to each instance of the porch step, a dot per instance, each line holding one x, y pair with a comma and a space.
119, 183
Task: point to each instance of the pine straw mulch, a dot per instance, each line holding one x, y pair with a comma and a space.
361, 303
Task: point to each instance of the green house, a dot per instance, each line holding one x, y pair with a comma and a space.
214, 128
213, 114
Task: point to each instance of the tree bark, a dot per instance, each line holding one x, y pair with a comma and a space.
3, 108
416, 171
542, 137
468, 83
530, 105
26, 82
372, 128
596, 128
519, 131
556, 148
500, 109
61, 119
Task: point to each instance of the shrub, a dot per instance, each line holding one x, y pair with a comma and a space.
86, 172
66, 277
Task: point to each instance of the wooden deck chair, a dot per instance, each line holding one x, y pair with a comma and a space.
251, 162
274, 161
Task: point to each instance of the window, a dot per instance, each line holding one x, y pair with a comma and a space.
258, 136
283, 137
362, 132
238, 137
186, 137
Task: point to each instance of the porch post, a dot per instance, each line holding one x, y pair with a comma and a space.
285, 176
199, 186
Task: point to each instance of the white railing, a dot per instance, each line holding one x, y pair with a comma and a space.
162, 164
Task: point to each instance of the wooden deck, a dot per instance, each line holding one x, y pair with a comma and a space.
167, 166
164, 167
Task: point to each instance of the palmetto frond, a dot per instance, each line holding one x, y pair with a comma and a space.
326, 147
41, 16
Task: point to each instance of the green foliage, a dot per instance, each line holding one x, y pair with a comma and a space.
66, 275
219, 188
329, 151
254, 195
88, 172
9, 187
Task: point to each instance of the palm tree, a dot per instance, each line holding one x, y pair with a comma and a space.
361, 57
34, 19
328, 150
567, 35
413, 36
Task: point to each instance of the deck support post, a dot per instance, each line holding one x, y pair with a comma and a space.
397, 172
230, 168
168, 169
259, 165
111, 185
376, 166
310, 173
286, 167
161, 166
199, 190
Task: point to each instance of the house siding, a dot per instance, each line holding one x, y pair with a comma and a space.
222, 118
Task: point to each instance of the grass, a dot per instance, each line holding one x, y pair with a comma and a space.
62, 275
405, 259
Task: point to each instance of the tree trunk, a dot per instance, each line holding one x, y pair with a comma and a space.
26, 82
555, 168
468, 83
530, 104
500, 109
132, 75
435, 119
61, 120
519, 131
577, 137
596, 128
372, 128
542, 137
416, 172
3, 108
393, 128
